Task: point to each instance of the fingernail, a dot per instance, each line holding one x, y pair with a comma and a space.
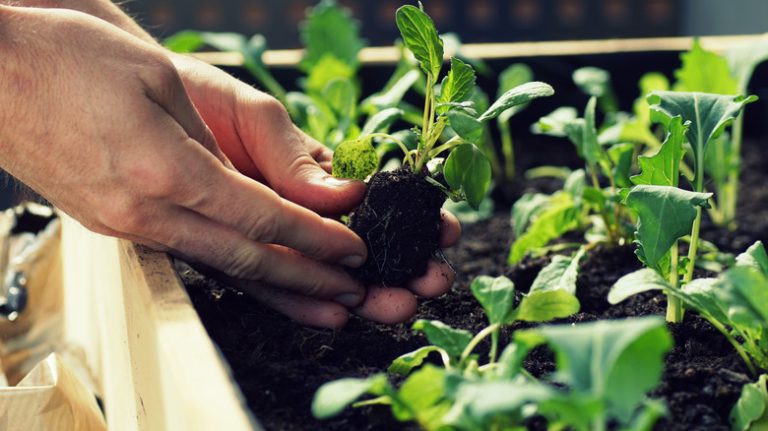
353, 261
349, 299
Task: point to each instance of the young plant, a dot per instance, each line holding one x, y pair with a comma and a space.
598, 380
450, 125
750, 410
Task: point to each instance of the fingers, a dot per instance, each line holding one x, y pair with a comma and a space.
450, 229
303, 310
387, 305
261, 215
248, 263
437, 281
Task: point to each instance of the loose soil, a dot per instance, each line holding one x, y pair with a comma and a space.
279, 364
399, 220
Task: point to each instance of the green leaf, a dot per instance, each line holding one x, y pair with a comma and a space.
663, 168
453, 341
638, 130
381, 121
555, 123
745, 293
225, 41
341, 97
184, 42
467, 169
420, 397
477, 403
749, 413
640, 281
420, 36
391, 96
621, 155
588, 146
708, 115
559, 217
665, 214
755, 257
600, 359
699, 295
355, 159
517, 96
333, 397
526, 208
511, 77
407, 362
330, 30
593, 81
458, 85
560, 274
546, 305
496, 295
743, 60
704, 71
466, 126
466, 214
327, 69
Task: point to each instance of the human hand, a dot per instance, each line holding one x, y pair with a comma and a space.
99, 123
271, 149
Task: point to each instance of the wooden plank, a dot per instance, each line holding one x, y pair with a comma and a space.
157, 367
488, 51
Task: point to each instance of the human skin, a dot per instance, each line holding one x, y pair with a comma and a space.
139, 143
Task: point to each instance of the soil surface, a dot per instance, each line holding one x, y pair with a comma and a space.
279, 364
399, 220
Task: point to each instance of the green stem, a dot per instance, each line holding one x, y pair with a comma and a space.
731, 197
494, 347
407, 154
674, 305
694, 246
476, 340
453, 142
735, 344
508, 150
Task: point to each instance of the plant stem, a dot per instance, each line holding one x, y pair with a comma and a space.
735, 344
732, 184
507, 150
674, 305
694, 246
407, 157
476, 340
494, 347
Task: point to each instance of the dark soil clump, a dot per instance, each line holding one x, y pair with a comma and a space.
399, 220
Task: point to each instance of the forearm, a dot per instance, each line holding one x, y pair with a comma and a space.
103, 9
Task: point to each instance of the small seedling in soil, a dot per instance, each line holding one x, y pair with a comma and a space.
399, 218
598, 380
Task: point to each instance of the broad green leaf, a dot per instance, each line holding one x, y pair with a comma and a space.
705, 72
511, 77
560, 274
453, 341
458, 85
546, 305
708, 115
466, 126
640, 281
639, 129
381, 121
420, 36
590, 149
477, 403
330, 30
526, 208
496, 295
621, 155
593, 81
185, 41
663, 168
600, 359
743, 60
699, 295
468, 170
559, 217
755, 257
749, 413
391, 96
665, 214
555, 123
407, 362
720, 160
745, 293
420, 394
327, 69
519, 95
335, 396
341, 97
355, 159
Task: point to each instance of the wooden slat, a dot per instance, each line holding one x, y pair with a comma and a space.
387, 55
157, 367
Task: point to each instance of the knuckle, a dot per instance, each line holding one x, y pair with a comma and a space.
264, 228
246, 264
124, 216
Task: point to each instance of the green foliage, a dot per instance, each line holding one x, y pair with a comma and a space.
558, 217
520, 95
743, 60
596, 82
335, 396
355, 159
749, 413
458, 85
420, 36
642, 280
663, 168
330, 31
665, 214
705, 72
755, 257
452, 341
467, 170
560, 274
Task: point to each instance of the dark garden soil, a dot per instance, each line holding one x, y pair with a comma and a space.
279, 364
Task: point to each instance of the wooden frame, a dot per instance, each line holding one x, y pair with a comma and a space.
156, 367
